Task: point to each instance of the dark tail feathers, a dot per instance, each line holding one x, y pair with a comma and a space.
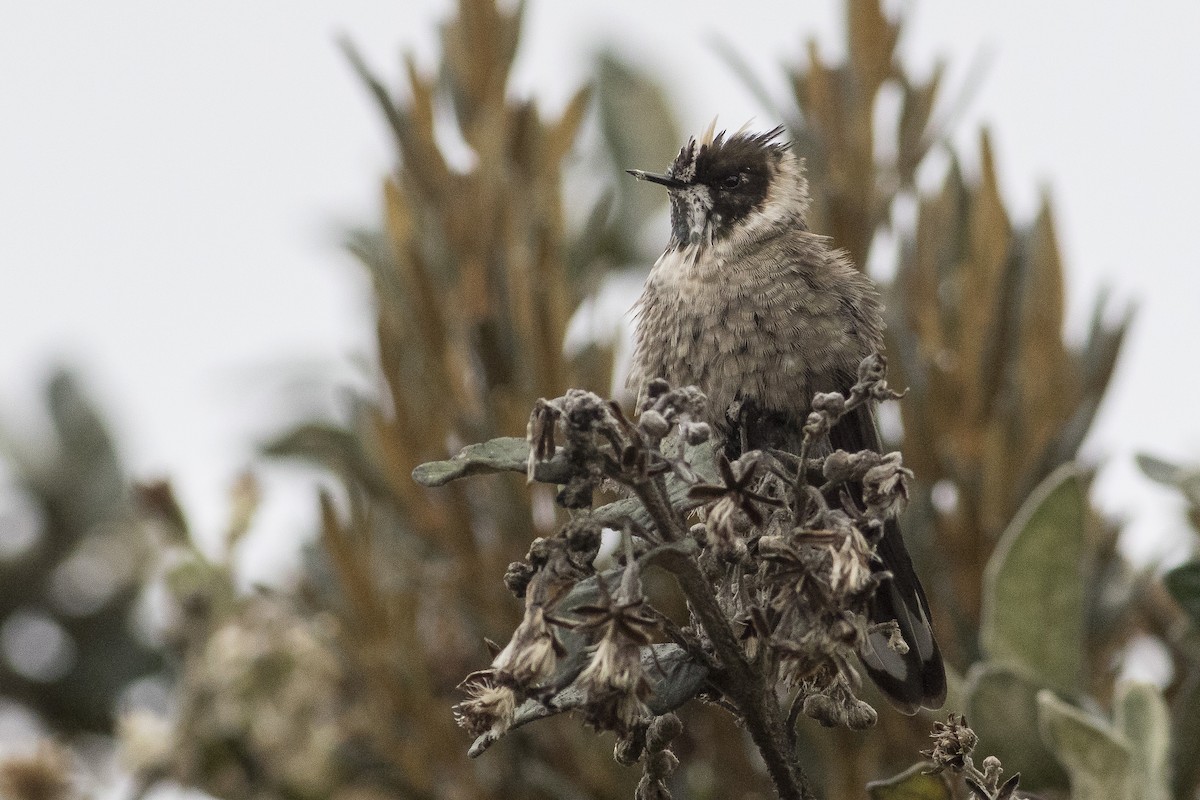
917, 678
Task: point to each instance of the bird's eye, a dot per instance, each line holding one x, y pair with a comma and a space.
732, 182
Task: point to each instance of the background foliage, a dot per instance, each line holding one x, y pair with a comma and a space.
341, 685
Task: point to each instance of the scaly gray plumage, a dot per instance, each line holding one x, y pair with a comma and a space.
753, 308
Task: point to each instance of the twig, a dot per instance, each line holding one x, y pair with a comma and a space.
737, 677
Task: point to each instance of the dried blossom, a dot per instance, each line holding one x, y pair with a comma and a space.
540, 433
615, 685
895, 638
850, 571
614, 680
885, 487
836, 706
732, 501
532, 653
842, 467
829, 404
872, 381
696, 433
583, 537
992, 771
953, 741
517, 577
654, 424
489, 706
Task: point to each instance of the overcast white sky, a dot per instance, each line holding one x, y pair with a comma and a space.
174, 177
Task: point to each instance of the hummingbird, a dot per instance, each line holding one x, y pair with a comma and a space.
761, 313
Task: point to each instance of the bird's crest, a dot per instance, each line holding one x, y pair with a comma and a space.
712, 147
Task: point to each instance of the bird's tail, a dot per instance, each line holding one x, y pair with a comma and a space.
916, 678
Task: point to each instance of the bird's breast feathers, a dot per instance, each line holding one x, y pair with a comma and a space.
767, 326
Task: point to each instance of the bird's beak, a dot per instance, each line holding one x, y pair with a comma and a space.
665, 180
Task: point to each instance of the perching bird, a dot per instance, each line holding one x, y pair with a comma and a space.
750, 306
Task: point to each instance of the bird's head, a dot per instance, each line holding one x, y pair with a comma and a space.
732, 189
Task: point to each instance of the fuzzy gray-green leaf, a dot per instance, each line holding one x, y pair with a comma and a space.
1183, 583
505, 454
1096, 757
1143, 719
1001, 705
1033, 603
915, 783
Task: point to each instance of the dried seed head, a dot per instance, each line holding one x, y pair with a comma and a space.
850, 570
657, 388
489, 707
662, 763
582, 535
885, 487
540, 434
654, 424
662, 731
531, 654
615, 711
517, 577
831, 404
992, 771
953, 741
696, 433
895, 638
630, 746
840, 709
539, 552
722, 529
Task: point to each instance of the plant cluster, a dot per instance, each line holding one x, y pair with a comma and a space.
777, 574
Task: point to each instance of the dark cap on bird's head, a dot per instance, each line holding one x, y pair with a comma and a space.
726, 185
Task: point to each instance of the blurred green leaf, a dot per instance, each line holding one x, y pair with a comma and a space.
640, 132
1185, 733
75, 483
1002, 709
912, 784
1186, 479
1157, 469
1183, 583
1033, 594
1143, 719
1097, 759
337, 449
635, 117
195, 582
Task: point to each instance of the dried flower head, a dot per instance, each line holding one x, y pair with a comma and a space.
850, 567
836, 706
614, 680
733, 505
953, 741
532, 653
489, 706
885, 487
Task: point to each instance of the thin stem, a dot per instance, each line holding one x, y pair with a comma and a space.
743, 683
737, 678
654, 497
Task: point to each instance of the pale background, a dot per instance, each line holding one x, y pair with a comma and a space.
174, 179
